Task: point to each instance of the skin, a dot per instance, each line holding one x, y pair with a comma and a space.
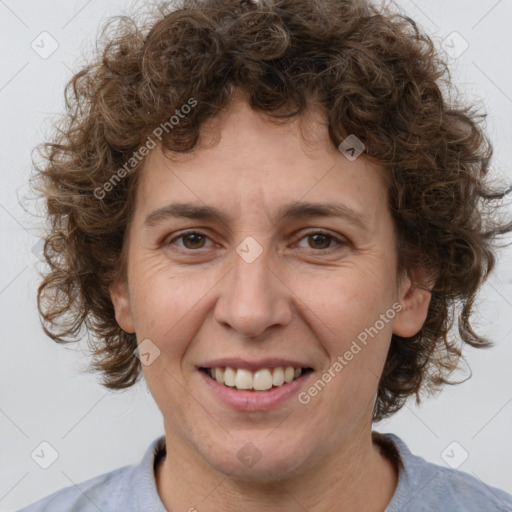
303, 297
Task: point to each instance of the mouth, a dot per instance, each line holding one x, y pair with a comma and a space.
263, 379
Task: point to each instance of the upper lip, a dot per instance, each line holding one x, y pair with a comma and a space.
237, 362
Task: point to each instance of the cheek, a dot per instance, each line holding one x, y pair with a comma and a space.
346, 310
170, 305
346, 301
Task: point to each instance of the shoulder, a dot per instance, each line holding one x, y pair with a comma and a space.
467, 492
424, 486
100, 492
120, 489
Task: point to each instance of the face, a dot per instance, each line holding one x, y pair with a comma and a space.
264, 283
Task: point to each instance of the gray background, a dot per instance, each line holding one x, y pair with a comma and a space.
43, 395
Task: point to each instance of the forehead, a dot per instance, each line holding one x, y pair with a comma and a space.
246, 162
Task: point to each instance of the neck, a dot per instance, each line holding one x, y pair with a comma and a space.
356, 477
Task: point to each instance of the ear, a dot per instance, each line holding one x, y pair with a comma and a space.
414, 296
121, 301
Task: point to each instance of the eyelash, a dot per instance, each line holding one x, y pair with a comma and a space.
339, 243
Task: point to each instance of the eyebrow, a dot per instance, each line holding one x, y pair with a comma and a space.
295, 209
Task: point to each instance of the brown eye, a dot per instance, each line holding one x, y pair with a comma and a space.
189, 241
193, 240
325, 242
320, 240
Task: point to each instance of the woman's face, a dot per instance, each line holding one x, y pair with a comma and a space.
267, 282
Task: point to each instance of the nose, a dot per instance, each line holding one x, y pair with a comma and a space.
253, 298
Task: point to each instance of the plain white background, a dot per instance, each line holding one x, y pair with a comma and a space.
43, 395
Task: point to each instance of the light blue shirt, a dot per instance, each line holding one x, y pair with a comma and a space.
422, 487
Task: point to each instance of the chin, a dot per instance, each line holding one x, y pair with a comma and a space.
258, 462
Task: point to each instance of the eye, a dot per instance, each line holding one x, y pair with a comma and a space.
317, 240
191, 240
321, 240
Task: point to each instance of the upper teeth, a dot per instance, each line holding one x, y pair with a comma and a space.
260, 380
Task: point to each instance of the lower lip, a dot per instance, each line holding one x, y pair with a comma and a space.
255, 400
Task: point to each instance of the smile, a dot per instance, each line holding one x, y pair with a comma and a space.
262, 379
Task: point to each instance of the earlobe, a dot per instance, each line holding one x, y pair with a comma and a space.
121, 301
414, 298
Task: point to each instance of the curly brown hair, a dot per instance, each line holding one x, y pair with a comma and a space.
371, 71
